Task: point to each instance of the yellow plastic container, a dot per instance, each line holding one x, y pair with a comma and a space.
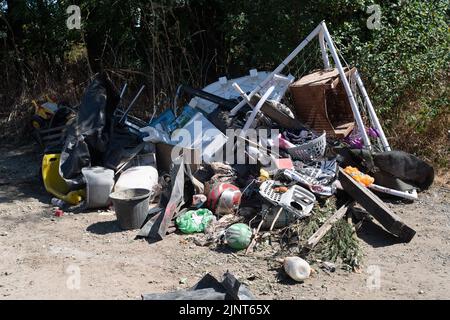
55, 184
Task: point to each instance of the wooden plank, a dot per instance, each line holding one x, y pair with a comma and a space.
376, 207
322, 231
344, 130
276, 218
255, 236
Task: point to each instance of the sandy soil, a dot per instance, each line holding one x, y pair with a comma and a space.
86, 256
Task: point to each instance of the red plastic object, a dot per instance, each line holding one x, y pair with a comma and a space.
59, 213
224, 198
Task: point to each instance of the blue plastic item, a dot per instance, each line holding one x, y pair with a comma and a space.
164, 121
184, 117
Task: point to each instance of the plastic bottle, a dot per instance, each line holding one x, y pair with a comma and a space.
297, 268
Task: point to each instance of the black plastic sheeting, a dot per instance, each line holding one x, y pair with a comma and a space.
95, 139
208, 288
406, 167
392, 169
181, 192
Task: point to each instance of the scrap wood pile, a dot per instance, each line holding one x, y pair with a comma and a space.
238, 163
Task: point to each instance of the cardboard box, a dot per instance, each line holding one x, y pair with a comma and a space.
322, 104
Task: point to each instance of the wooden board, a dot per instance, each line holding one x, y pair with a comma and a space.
376, 207
321, 232
344, 130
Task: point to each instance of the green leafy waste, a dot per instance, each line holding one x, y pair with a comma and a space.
339, 244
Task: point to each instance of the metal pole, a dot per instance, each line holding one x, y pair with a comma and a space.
123, 90
256, 110
132, 103
323, 49
344, 80
278, 69
242, 94
372, 112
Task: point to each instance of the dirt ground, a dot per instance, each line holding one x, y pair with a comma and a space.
86, 256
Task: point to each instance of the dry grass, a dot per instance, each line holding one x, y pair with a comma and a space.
422, 125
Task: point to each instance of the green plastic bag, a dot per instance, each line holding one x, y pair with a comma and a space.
194, 221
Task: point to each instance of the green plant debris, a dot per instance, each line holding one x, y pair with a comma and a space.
339, 245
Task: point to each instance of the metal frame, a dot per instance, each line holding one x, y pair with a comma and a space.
264, 98
278, 69
327, 45
372, 114
348, 90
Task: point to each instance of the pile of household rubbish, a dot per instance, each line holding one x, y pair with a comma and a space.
237, 159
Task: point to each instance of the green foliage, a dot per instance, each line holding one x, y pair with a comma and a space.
338, 245
409, 52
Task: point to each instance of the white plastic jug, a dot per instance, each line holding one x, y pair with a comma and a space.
99, 184
297, 268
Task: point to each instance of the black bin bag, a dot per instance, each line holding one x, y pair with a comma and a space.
88, 138
392, 169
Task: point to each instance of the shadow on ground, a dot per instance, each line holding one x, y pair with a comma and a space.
104, 227
375, 236
20, 174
